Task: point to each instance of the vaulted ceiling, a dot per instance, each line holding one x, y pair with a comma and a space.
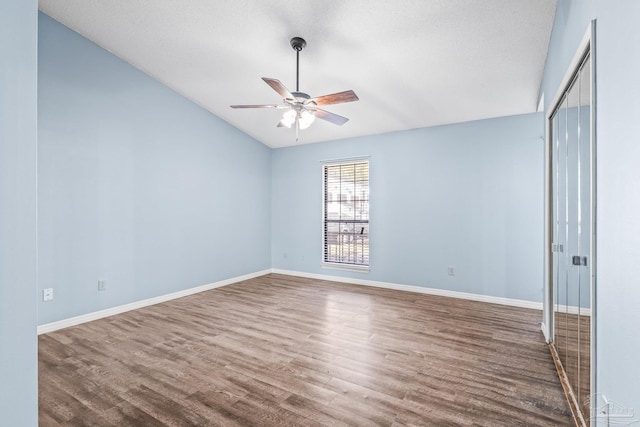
412, 63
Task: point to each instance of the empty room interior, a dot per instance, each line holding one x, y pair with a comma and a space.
319, 213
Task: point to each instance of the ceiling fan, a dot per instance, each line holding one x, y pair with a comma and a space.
302, 110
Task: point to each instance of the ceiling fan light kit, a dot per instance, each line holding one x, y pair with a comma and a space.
302, 110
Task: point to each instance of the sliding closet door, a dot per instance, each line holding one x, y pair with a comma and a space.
559, 128
571, 164
571, 362
584, 232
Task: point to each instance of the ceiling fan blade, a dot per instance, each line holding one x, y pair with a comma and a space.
278, 87
335, 98
330, 117
260, 106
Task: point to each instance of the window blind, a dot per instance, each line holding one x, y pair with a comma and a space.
346, 213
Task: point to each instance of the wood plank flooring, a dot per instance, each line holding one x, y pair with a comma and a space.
286, 351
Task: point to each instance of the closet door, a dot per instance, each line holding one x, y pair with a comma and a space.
571, 165
574, 259
585, 221
560, 230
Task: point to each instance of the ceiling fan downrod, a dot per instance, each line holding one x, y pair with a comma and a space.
298, 43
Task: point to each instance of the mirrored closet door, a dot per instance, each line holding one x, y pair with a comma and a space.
571, 182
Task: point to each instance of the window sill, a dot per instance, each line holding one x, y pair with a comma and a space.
345, 267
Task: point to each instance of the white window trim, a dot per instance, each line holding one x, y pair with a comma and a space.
346, 267
337, 265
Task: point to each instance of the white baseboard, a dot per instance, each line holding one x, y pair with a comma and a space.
72, 321
418, 289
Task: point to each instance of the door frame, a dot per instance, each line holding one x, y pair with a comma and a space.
586, 47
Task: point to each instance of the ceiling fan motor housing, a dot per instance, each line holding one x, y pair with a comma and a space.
300, 95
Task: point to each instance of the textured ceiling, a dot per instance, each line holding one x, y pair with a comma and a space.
412, 63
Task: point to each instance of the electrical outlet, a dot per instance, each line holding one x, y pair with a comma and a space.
47, 294
102, 285
451, 271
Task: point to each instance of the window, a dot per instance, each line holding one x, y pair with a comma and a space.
346, 215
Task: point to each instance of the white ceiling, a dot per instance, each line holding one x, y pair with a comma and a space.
412, 63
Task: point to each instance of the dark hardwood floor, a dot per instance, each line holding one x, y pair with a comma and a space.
280, 350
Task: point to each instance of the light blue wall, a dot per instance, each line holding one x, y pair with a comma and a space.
18, 344
468, 195
572, 20
137, 185
618, 180
618, 225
